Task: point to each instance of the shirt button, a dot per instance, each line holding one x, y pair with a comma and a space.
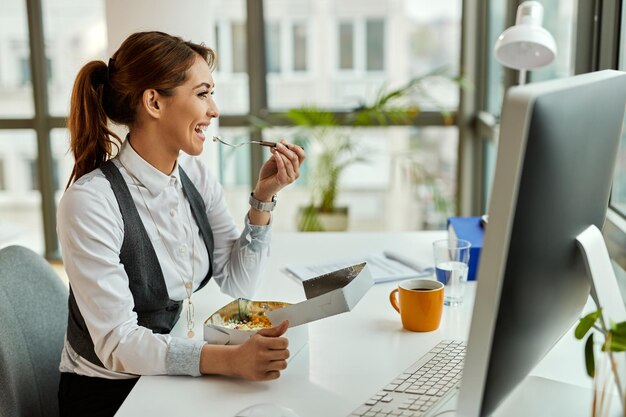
183, 249
173, 212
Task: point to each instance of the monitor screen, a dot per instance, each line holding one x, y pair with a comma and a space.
556, 157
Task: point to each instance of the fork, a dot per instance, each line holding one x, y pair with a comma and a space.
256, 142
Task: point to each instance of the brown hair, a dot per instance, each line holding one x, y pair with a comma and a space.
144, 60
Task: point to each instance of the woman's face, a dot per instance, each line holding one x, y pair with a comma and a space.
188, 112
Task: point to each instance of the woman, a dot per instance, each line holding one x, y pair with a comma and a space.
142, 231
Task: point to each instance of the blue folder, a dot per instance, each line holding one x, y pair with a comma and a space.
468, 228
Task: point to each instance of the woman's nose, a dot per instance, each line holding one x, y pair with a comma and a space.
213, 111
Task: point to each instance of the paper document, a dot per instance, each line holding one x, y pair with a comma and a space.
383, 267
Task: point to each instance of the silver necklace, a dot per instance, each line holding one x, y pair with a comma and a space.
187, 284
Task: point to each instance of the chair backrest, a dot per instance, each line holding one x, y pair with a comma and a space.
33, 320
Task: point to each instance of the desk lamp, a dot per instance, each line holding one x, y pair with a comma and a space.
527, 45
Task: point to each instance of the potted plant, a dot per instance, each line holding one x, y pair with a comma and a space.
335, 149
607, 374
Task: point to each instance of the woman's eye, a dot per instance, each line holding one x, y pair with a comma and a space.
204, 94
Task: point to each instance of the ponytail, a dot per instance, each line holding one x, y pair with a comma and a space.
90, 136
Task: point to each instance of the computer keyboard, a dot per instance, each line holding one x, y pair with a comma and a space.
421, 387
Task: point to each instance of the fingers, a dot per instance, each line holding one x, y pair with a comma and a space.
293, 155
285, 160
277, 366
299, 151
275, 331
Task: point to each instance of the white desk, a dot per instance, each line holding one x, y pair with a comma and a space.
349, 357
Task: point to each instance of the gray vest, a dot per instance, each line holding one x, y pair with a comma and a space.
153, 306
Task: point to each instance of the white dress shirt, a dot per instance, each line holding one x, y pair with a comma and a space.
91, 232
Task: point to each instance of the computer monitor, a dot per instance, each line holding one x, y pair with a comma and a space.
556, 157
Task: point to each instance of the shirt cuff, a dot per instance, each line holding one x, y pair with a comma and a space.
183, 356
256, 232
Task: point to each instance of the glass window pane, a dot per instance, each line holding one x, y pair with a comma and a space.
3, 185
300, 47
20, 204
230, 44
16, 90
495, 70
618, 195
346, 46
75, 33
434, 32
272, 47
232, 167
559, 18
353, 62
238, 45
375, 44
406, 180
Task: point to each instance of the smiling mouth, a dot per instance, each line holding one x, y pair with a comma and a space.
201, 130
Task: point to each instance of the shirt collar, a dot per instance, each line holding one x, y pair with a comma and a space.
154, 180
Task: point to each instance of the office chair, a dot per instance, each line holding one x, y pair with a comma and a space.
33, 320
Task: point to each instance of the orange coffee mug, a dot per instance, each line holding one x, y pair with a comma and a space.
420, 303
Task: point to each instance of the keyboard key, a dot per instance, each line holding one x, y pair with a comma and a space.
403, 387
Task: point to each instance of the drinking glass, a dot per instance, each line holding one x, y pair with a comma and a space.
451, 266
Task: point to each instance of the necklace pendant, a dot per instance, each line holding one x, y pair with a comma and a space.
188, 284
191, 334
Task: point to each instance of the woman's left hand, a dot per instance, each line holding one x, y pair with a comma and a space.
280, 170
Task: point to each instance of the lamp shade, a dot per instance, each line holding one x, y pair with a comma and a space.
526, 45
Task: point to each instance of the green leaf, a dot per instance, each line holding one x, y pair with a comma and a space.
619, 328
615, 343
586, 323
590, 362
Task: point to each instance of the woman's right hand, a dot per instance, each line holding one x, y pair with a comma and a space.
263, 356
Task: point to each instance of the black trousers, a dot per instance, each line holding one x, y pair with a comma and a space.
82, 396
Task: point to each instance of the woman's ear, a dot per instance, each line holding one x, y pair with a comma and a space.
152, 103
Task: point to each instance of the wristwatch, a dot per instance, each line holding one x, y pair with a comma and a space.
262, 205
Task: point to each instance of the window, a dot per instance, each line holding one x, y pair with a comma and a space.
24, 64
20, 207
238, 36
16, 90
300, 47
33, 170
361, 45
346, 46
375, 45
272, 44
618, 195
74, 33
559, 17
2, 182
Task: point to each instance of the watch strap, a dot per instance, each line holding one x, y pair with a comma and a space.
262, 205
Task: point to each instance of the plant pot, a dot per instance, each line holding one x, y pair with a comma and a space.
311, 219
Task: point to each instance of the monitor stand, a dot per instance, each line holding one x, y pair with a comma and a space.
605, 289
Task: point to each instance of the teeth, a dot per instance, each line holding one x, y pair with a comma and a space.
202, 129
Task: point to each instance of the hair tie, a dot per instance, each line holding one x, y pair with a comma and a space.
101, 76
110, 67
